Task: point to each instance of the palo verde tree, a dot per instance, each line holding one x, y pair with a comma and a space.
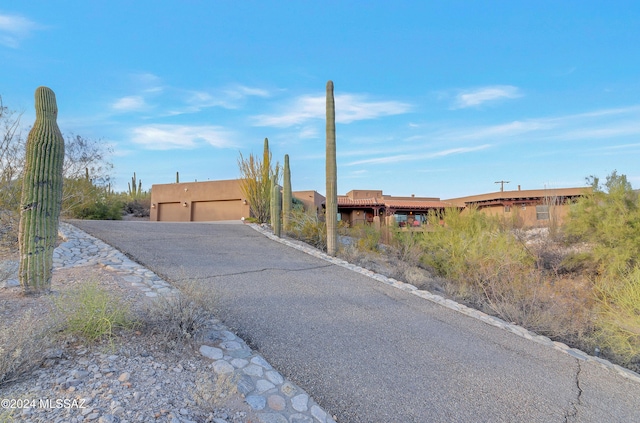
331, 175
41, 195
256, 177
608, 218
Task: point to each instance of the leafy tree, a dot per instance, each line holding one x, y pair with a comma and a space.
12, 144
256, 177
86, 173
607, 218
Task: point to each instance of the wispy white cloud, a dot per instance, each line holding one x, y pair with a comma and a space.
14, 28
308, 132
349, 108
413, 157
194, 101
483, 95
152, 92
169, 137
598, 124
129, 103
242, 91
504, 130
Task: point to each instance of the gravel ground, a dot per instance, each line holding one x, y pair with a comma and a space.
134, 378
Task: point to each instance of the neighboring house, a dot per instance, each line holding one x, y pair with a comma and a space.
529, 208
374, 207
311, 200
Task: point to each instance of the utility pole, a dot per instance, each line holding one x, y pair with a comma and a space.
502, 184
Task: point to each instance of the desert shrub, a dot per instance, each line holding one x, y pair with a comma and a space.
608, 219
93, 312
367, 237
105, 208
407, 246
473, 248
138, 207
618, 322
9, 223
307, 227
176, 319
23, 346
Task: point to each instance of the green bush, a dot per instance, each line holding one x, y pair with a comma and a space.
103, 209
94, 313
368, 237
618, 322
472, 247
608, 220
306, 227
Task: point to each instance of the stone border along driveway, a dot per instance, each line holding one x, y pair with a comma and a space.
273, 398
476, 314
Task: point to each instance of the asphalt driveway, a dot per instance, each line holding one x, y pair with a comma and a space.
365, 351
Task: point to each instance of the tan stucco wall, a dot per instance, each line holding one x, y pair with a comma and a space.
311, 199
526, 216
198, 201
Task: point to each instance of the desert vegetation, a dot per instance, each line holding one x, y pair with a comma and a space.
257, 178
86, 188
578, 283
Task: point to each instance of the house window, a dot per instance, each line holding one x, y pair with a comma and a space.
542, 212
507, 209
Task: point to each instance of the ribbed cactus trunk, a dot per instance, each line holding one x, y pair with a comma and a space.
286, 194
275, 209
41, 195
332, 176
267, 181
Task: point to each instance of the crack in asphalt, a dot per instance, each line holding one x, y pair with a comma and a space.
247, 272
573, 414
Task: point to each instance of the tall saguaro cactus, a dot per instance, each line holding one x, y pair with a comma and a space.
275, 209
332, 175
41, 195
135, 187
286, 194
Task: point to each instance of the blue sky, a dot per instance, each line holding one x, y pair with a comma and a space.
433, 98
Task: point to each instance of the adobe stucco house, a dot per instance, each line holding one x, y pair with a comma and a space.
374, 207
529, 208
198, 201
224, 200
210, 201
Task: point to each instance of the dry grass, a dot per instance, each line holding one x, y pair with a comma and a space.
93, 313
24, 343
30, 326
176, 320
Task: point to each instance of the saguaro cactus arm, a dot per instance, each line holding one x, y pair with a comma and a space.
41, 195
332, 175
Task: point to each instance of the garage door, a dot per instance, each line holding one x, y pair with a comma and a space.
205, 211
169, 212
